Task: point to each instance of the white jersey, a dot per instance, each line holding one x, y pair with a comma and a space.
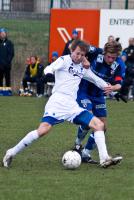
68, 76
62, 103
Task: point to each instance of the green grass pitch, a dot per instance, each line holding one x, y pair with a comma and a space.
37, 172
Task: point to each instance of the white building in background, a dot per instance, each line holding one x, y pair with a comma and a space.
5, 5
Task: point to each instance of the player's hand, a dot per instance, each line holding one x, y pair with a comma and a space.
85, 63
108, 89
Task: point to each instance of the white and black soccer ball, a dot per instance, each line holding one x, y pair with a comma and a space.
71, 160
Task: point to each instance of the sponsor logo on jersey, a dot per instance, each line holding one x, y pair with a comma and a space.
100, 106
91, 49
85, 102
100, 58
114, 67
76, 72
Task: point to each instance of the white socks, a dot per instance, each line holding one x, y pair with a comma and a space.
101, 145
33, 135
27, 140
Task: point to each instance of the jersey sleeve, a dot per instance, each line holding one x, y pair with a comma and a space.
93, 52
118, 77
91, 77
56, 65
120, 71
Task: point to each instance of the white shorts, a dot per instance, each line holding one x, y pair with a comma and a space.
62, 107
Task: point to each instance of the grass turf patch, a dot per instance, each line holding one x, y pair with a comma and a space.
37, 172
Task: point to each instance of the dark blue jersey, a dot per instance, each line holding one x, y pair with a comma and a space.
110, 73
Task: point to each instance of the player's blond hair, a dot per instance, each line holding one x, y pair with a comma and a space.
113, 47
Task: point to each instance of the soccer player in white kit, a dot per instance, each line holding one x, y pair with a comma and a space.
62, 105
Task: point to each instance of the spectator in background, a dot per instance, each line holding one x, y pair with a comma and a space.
54, 56
110, 38
28, 61
6, 56
128, 57
33, 74
66, 50
129, 53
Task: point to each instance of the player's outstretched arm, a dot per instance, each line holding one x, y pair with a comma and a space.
91, 77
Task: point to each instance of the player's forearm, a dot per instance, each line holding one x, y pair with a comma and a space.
91, 77
111, 88
116, 87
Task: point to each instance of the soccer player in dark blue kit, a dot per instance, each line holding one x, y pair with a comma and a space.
110, 67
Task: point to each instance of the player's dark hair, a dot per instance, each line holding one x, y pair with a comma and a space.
81, 44
113, 47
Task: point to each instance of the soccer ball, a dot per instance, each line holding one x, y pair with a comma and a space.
71, 160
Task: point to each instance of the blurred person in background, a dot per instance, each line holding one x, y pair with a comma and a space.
67, 48
6, 56
110, 38
54, 56
33, 74
128, 57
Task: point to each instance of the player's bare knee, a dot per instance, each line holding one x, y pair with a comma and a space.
96, 124
100, 126
44, 128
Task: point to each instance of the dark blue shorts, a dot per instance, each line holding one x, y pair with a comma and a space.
95, 104
83, 118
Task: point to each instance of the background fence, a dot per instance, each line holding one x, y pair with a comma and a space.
100, 4
43, 6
